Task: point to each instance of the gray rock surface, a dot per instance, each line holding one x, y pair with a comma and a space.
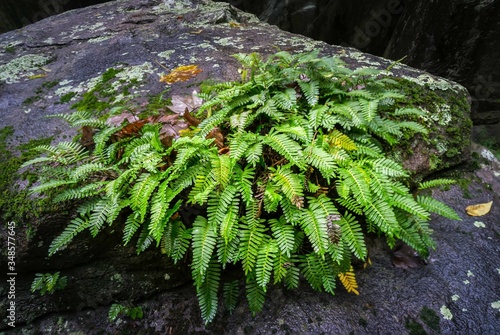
48, 66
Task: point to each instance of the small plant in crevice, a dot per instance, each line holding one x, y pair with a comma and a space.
288, 168
118, 310
48, 283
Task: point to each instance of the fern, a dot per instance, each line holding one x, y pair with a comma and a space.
284, 234
76, 226
204, 241
348, 279
436, 183
230, 292
256, 294
435, 206
265, 260
207, 290
277, 157
352, 236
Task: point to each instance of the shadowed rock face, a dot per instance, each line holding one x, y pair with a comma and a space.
50, 65
15, 14
458, 40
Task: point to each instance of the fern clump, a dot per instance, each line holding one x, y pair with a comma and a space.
289, 166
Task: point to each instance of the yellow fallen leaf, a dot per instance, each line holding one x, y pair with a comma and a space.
479, 209
36, 76
181, 73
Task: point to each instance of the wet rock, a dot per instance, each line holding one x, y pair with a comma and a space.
118, 51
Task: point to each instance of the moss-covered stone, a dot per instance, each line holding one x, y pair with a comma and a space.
447, 120
15, 202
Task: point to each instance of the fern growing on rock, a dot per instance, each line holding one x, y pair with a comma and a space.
289, 166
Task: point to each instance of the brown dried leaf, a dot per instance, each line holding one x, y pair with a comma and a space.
191, 102
117, 120
181, 73
87, 139
405, 257
216, 134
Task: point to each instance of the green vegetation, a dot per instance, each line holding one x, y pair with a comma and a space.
289, 166
15, 202
10, 49
431, 319
119, 310
67, 97
48, 283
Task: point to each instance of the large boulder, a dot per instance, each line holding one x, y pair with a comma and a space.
113, 54
457, 40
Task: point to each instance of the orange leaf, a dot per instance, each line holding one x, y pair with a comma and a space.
479, 209
181, 73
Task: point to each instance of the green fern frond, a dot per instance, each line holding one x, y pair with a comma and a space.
369, 107
222, 167
409, 111
417, 128
105, 211
321, 160
50, 185
230, 292
156, 228
407, 203
351, 110
318, 273
214, 121
141, 192
381, 215
203, 244
435, 183
290, 183
352, 235
132, 224
389, 168
207, 290
265, 261
244, 181
290, 211
93, 123
286, 147
351, 204
286, 100
144, 241
71, 118
256, 294
76, 226
251, 237
254, 154
313, 223
356, 179
436, 206
228, 252
284, 233
85, 191
83, 171
310, 90
181, 238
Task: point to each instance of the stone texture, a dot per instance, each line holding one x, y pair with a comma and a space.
72, 51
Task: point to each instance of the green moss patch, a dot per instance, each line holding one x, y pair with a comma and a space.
15, 202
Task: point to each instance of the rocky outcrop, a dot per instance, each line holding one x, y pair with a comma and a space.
458, 40
112, 55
